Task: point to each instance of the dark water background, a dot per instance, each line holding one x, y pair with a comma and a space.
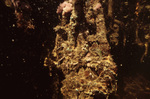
22, 74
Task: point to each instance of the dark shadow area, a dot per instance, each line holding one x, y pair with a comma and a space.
22, 54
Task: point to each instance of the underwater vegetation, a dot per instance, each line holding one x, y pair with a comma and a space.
82, 51
93, 49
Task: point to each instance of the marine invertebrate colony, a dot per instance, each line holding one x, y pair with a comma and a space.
64, 8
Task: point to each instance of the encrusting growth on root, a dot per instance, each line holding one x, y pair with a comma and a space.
82, 51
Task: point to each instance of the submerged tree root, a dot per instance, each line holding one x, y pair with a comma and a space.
82, 51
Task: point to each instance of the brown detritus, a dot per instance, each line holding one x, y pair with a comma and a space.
110, 8
142, 33
136, 87
22, 13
